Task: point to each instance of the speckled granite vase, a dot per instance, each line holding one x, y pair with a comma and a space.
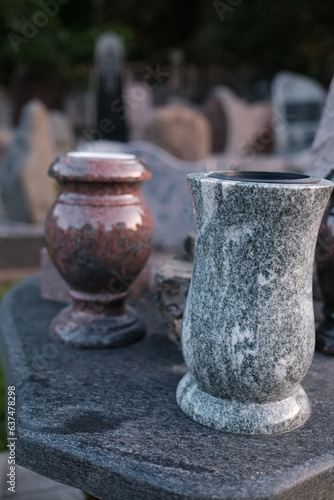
248, 328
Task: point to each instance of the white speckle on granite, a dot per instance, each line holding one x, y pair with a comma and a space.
240, 336
262, 280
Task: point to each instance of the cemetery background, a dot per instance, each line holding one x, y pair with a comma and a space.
181, 50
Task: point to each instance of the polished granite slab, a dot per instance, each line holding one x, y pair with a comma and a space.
106, 421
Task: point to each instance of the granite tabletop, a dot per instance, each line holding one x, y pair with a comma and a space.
106, 421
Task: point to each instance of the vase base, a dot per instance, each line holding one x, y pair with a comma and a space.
88, 329
241, 418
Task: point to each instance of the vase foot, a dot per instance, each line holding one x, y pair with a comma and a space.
89, 329
241, 418
325, 337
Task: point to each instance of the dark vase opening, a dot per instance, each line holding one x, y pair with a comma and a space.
271, 177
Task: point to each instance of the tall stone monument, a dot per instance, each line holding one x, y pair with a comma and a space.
111, 112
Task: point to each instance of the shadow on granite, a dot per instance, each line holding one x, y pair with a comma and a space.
107, 421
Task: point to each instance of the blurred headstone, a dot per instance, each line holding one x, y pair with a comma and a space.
6, 119
6, 137
167, 194
176, 58
111, 112
297, 103
6, 122
62, 132
20, 244
27, 191
80, 108
248, 127
215, 113
183, 132
322, 152
139, 103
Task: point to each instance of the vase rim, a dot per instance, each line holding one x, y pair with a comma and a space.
100, 155
264, 177
87, 166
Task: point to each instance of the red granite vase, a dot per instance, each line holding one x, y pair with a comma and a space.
99, 234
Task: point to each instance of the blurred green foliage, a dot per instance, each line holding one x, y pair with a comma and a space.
52, 35
277, 35
265, 36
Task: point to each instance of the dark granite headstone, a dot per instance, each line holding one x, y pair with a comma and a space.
107, 421
111, 112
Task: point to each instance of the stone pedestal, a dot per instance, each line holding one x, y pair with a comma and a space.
106, 421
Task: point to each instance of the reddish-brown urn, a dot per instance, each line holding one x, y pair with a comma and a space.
99, 229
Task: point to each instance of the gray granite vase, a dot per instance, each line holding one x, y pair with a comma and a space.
248, 328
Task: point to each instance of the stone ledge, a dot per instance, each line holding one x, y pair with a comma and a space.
107, 421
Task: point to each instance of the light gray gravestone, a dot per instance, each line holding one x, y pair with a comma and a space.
27, 191
297, 103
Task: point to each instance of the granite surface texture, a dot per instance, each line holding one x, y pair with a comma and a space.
106, 421
248, 327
